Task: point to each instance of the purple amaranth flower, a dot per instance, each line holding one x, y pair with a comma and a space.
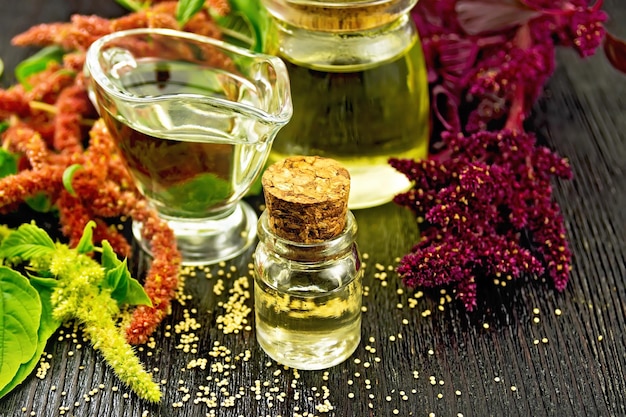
477, 204
481, 53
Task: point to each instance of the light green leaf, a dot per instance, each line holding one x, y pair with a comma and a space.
37, 63
185, 9
20, 317
27, 242
43, 283
136, 295
117, 280
68, 175
257, 16
124, 288
202, 191
85, 245
132, 5
5, 231
237, 29
47, 327
108, 259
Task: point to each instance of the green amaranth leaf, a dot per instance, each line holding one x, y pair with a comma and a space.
27, 242
185, 9
124, 288
75, 294
132, 5
237, 29
37, 63
47, 327
8, 163
117, 280
85, 245
40, 202
200, 192
68, 175
136, 294
108, 259
4, 232
20, 317
255, 16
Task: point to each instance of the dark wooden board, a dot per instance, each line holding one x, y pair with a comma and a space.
515, 356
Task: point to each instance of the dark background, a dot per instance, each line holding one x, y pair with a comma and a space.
514, 356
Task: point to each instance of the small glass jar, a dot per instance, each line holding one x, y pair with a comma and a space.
358, 85
308, 297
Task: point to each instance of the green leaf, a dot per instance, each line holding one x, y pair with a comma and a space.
27, 242
200, 192
237, 29
47, 327
117, 279
1, 67
136, 295
124, 288
108, 259
4, 125
4, 232
20, 318
40, 202
68, 175
132, 5
8, 163
185, 9
85, 245
258, 17
37, 63
43, 283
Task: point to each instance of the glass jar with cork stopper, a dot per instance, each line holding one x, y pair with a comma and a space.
308, 290
359, 88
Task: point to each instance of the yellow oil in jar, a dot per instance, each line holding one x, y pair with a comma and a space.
360, 115
306, 327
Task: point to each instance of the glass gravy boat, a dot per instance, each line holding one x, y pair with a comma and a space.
194, 119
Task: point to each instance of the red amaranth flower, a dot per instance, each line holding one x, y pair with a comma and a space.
162, 278
46, 127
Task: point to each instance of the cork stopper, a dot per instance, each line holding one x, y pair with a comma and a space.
306, 198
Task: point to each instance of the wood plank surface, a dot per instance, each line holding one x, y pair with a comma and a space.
526, 351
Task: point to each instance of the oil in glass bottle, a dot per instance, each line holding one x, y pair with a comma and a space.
358, 85
308, 289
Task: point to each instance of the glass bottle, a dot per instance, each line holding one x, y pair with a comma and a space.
359, 88
308, 291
